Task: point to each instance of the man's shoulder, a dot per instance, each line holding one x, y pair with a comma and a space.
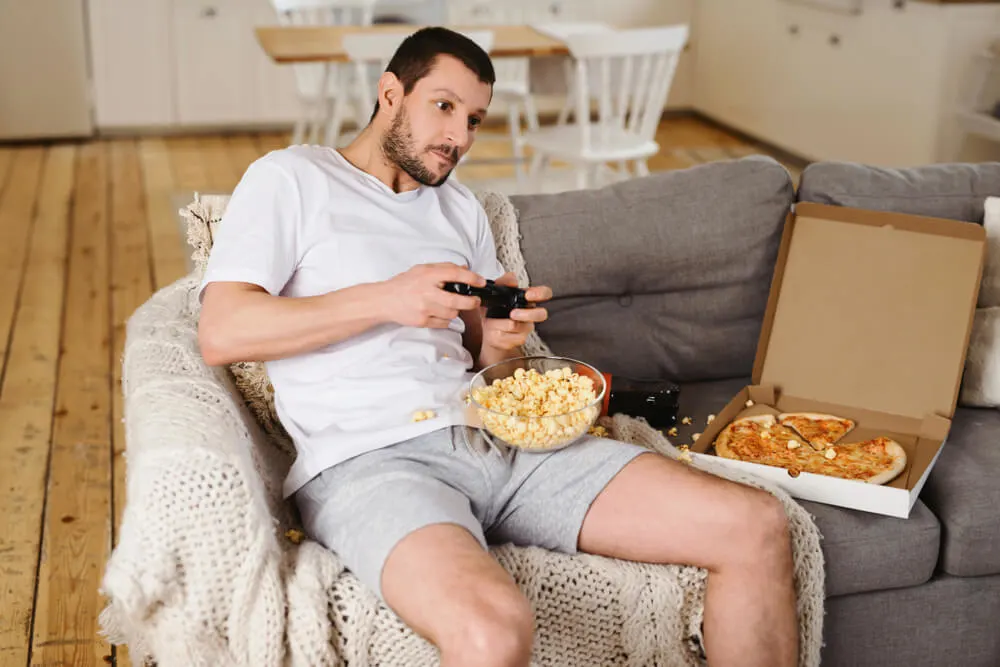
299, 159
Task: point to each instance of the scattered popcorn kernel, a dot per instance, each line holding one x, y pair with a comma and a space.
598, 430
672, 432
711, 418
685, 420
695, 436
794, 472
295, 536
685, 454
749, 404
793, 444
422, 415
831, 454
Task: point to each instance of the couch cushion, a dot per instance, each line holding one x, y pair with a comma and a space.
963, 490
666, 275
863, 551
955, 191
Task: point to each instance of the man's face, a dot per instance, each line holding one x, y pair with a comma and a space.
436, 123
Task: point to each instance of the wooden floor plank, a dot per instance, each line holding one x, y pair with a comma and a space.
187, 162
158, 185
243, 151
222, 174
16, 210
272, 141
6, 159
26, 406
77, 527
131, 286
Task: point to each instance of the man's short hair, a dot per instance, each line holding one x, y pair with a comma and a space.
416, 55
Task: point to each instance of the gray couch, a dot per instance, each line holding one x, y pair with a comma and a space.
669, 275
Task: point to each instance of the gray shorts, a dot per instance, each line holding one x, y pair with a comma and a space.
363, 507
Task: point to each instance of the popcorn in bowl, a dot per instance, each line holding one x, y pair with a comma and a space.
538, 403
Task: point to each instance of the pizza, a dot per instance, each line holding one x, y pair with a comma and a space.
764, 439
819, 430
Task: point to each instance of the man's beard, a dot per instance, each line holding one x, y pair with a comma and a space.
399, 149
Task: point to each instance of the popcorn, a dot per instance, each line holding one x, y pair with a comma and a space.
831, 454
685, 420
422, 415
685, 454
672, 432
538, 411
695, 436
295, 536
749, 404
599, 431
711, 418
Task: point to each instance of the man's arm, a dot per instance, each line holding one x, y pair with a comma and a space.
241, 321
472, 339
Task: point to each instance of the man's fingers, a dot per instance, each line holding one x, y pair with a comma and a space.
529, 314
453, 273
508, 279
437, 323
538, 293
459, 302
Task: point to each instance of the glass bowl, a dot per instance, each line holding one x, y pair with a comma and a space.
551, 430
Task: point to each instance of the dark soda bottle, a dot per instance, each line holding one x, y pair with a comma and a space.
653, 399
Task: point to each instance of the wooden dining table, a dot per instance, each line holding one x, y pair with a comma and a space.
304, 44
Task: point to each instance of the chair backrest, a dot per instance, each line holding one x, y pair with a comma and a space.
309, 77
511, 70
634, 69
371, 52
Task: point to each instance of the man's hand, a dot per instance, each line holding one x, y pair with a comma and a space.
502, 337
415, 298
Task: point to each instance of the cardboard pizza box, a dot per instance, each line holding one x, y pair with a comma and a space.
869, 317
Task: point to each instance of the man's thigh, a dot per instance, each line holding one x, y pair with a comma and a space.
550, 493
364, 507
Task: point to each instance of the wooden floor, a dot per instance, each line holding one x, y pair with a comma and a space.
87, 232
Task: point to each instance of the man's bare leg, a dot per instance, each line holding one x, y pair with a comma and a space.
442, 583
660, 511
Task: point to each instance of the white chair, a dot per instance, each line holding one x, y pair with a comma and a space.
374, 50
635, 69
321, 85
513, 83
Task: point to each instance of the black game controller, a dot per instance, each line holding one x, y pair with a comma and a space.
498, 300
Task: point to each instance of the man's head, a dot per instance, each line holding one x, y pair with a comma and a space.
431, 98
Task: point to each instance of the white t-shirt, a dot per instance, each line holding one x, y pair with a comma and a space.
304, 221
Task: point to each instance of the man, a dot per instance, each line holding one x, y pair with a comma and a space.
329, 267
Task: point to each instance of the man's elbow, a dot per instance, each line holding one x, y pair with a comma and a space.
215, 350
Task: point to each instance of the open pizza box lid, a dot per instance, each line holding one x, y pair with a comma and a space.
869, 316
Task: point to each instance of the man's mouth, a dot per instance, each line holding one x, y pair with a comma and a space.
447, 157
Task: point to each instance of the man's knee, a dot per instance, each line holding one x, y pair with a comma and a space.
498, 629
761, 527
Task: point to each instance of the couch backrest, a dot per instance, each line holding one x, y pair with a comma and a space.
954, 191
663, 276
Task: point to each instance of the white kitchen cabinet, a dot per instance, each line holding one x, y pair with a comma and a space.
132, 62
215, 77
881, 87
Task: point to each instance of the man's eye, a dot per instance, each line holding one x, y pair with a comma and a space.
444, 106
474, 122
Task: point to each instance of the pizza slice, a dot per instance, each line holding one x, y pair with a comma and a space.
876, 461
819, 430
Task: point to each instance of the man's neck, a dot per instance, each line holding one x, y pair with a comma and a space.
365, 153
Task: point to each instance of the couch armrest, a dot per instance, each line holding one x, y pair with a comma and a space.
198, 562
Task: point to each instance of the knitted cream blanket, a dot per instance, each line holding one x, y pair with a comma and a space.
204, 574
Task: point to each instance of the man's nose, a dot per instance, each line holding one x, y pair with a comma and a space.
458, 132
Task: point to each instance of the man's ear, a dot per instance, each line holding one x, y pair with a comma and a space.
390, 90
